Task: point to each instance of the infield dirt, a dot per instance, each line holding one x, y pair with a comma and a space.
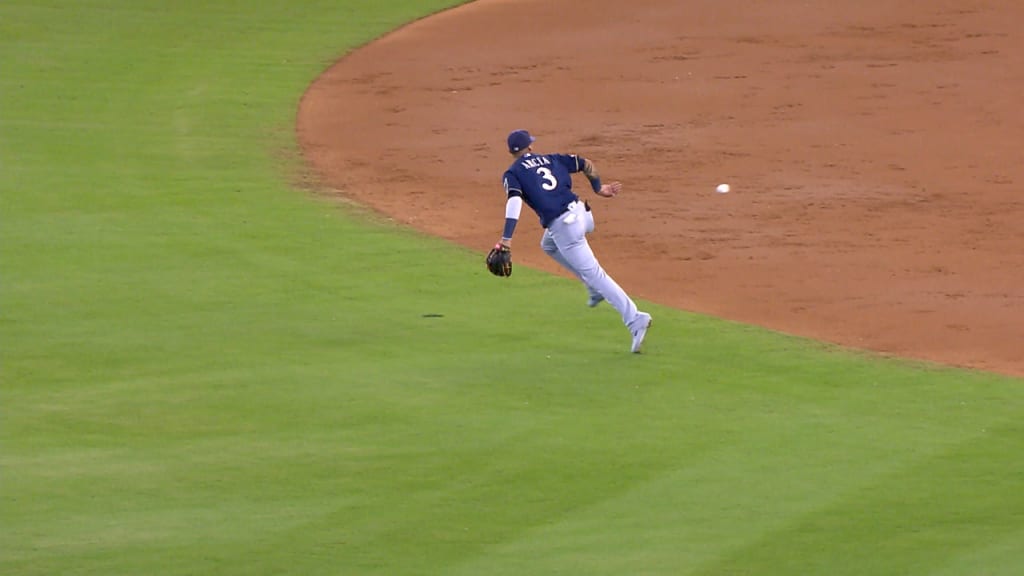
874, 150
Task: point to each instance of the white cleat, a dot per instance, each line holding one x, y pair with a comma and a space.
594, 300
642, 324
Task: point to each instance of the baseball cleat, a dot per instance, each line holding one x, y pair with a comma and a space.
594, 300
644, 322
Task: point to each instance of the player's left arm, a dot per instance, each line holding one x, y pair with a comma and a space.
513, 208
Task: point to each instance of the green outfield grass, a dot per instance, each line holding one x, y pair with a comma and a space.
209, 371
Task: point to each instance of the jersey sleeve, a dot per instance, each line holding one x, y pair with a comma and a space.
570, 162
512, 185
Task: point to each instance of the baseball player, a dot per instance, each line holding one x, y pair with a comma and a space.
544, 182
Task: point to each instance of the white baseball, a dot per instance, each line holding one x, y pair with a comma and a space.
722, 188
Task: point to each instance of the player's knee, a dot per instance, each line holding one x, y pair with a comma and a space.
590, 274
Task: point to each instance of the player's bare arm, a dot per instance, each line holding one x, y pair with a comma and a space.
606, 190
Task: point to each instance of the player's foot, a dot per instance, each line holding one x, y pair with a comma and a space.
594, 300
641, 324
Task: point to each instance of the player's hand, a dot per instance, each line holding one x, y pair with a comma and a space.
505, 243
609, 190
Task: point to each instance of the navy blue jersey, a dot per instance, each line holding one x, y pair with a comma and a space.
544, 182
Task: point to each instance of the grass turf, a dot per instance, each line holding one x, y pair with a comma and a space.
205, 371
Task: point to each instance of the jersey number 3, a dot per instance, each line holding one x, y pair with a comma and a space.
550, 182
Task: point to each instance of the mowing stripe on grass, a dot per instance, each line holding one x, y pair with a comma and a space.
206, 371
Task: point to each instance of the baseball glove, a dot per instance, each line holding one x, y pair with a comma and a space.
499, 260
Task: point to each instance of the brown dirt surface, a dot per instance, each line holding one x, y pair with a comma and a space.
875, 150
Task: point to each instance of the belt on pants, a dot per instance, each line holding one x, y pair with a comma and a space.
571, 206
576, 204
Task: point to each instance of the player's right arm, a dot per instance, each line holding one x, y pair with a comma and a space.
576, 163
